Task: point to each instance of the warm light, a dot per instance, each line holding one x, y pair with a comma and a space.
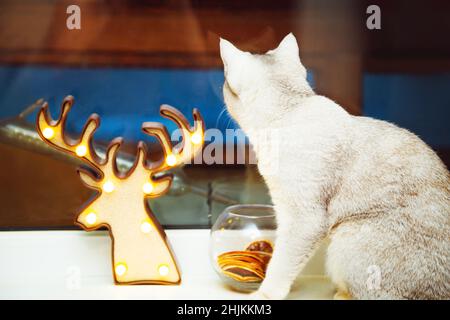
91, 218
121, 269
147, 188
171, 160
146, 227
81, 150
163, 270
48, 133
196, 138
108, 187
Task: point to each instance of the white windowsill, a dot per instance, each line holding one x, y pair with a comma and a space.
77, 265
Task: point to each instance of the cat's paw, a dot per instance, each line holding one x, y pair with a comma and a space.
278, 293
258, 295
342, 295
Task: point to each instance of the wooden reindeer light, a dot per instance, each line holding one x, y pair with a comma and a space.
140, 252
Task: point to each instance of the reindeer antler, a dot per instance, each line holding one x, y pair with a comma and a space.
53, 132
192, 137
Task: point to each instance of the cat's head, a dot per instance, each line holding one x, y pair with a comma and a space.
262, 83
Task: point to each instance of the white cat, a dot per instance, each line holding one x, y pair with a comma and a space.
379, 193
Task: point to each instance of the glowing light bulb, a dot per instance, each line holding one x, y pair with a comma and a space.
108, 187
91, 218
121, 269
163, 270
196, 138
146, 227
48, 133
147, 188
81, 150
171, 160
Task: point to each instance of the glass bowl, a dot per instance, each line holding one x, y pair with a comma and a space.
241, 245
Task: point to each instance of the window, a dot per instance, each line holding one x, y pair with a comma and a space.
129, 57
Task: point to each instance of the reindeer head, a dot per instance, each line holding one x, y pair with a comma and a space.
120, 204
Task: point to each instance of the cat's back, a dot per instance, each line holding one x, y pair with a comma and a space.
389, 167
386, 155
314, 111
385, 144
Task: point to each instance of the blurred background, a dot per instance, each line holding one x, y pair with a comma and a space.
131, 56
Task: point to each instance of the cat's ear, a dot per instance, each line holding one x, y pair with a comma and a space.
233, 61
288, 48
229, 53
